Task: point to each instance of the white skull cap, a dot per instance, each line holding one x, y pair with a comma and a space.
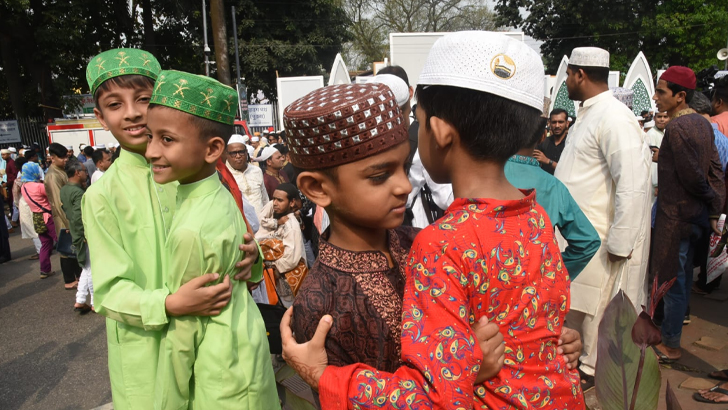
589, 57
236, 139
266, 153
489, 62
396, 84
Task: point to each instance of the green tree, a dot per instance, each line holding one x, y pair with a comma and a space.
669, 32
373, 20
281, 38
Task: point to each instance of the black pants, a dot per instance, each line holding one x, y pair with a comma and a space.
71, 270
4, 235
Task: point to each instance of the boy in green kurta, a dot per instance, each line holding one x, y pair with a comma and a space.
126, 216
219, 362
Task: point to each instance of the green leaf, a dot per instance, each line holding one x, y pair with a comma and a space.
618, 361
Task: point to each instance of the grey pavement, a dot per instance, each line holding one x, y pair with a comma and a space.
50, 357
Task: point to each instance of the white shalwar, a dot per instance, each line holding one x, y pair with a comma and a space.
606, 166
85, 292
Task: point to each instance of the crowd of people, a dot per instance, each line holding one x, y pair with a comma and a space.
455, 253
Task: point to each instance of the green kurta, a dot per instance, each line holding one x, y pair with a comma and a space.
561, 208
71, 195
220, 362
124, 215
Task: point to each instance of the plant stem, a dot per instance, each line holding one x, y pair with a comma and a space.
638, 378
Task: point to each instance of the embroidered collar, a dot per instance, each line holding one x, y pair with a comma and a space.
686, 111
522, 159
364, 261
493, 208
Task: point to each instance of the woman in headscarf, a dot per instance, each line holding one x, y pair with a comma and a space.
26, 215
34, 194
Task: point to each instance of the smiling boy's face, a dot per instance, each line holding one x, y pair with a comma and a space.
175, 149
123, 111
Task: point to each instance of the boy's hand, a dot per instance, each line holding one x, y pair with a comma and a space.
250, 250
570, 346
195, 299
491, 344
309, 359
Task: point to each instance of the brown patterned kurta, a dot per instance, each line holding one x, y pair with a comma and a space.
364, 297
691, 188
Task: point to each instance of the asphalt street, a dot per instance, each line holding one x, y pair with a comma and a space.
50, 357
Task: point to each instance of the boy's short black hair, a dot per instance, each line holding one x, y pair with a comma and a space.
595, 74
88, 151
539, 132
98, 155
30, 153
491, 128
282, 149
73, 166
58, 150
332, 172
123, 81
395, 70
676, 88
206, 128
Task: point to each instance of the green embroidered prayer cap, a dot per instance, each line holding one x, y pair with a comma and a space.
198, 95
118, 62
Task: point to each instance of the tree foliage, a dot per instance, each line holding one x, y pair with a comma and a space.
373, 20
46, 44
668, 32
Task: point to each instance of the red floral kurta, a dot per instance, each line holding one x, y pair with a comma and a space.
484, 257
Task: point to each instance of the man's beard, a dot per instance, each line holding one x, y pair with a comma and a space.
280, 215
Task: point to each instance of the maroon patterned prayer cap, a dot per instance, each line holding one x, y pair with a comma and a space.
343, 123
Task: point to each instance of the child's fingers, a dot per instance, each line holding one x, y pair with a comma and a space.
204, 280
319, 338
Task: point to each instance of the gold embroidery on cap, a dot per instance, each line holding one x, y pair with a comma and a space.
122, 58
181, 88
208, 97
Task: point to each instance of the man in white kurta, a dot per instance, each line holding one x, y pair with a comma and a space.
249, 179
606, 166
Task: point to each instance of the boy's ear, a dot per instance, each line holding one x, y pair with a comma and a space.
100, 116
443, 132
316, 187
215, 148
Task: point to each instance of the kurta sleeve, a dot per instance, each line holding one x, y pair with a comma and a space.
582, 239
687, 168
320, 292
76, 223
438, 346
293, 241
116, 294
185, 253
622, 147
53, 185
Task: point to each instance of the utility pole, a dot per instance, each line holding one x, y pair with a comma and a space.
217, 12
242, 90
206, 49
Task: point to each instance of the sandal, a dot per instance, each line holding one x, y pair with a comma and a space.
662, 358
71, 286
34, 257
587, 381
82, 309
715, 389
719, 375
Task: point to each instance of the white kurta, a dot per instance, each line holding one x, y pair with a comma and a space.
441, 193
251, 185
654, 139
606, 166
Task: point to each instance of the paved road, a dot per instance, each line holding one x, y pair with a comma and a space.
50, 357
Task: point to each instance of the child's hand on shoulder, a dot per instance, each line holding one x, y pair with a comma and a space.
491, 344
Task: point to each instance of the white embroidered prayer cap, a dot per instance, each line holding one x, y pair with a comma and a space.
12, 150
236, 139
589, 57
69, 147
489, 62
266, 153
649, 124
255, 139
396, 84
